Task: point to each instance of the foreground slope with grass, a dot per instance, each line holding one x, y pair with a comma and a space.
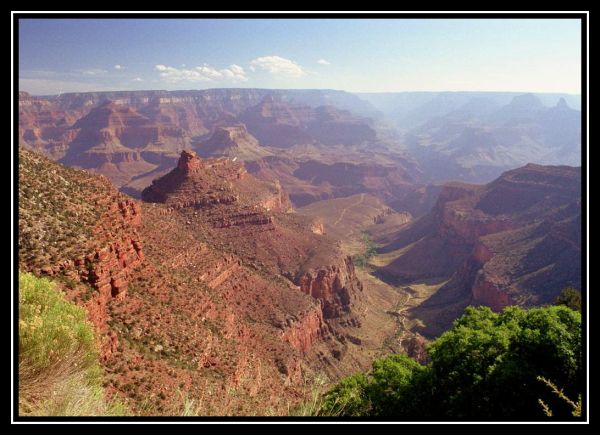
59, 373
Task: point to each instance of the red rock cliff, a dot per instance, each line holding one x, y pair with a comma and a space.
486, 292
108, 269
301, 333
336, 286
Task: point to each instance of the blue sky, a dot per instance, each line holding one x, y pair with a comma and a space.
355, 55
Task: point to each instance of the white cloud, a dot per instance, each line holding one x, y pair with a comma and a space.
119, 67
277, 65
92, 71
323, 62
205, 72
137, 79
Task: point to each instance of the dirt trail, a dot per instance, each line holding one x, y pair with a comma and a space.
402, 318
362, 197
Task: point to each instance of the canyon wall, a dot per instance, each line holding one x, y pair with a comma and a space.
335, 286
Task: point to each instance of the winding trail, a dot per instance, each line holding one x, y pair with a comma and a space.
402, 318
362, 197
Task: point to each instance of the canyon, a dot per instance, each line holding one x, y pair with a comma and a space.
135, 137
320, 144
516, 240
235, 246
212, 283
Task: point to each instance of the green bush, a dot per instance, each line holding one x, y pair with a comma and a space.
393, 380
388, 389
485, 367
362, 260
59, 372
50, 328
348, 397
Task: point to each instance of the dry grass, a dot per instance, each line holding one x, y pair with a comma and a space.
574, 406
64, 389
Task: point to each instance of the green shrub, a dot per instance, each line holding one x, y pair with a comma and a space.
485, 367
50, 328
362, 259
388, 389
348, 397
59, 372
393, 380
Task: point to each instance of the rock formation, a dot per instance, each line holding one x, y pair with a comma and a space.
334, 286
133, 136
233, 142
82, 232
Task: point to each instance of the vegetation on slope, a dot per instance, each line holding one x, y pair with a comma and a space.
59, 373
570, 297
488, 366
57, 209
363, 258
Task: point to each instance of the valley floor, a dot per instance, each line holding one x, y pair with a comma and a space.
390, 315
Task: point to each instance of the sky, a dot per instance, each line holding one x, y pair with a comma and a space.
358, 55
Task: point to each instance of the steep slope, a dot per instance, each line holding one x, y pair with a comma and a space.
516, 240
79, 229
214, 292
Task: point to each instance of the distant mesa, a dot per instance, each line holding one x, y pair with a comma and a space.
529, 101
135, 136
232, 141
477, 143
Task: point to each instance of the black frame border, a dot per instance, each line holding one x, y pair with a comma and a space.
16, 16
